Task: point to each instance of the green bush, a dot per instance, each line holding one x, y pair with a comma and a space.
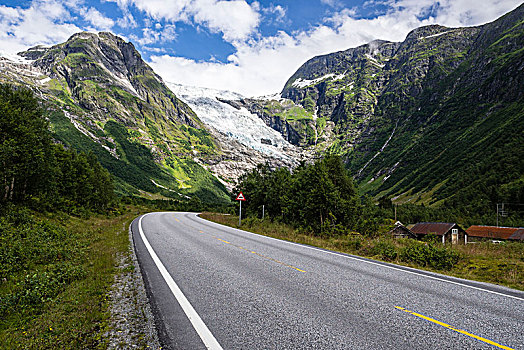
251, 221
44, 249
385, 250
37, 288
425, 254
25, 242
353, 243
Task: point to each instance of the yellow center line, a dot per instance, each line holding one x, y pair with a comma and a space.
278, 262
281, 263
177, 220
260, 255
455, 329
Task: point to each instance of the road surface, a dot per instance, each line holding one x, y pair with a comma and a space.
212, 286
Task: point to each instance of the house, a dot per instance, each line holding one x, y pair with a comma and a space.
401, 231
449, 232
478, 232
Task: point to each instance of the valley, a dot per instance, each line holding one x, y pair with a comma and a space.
372, 178
397, 112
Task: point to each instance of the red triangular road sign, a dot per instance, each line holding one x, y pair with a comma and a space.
240, 197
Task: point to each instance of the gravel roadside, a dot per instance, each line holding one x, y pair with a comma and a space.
131, 325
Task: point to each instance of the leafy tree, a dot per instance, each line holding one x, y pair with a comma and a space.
25, 146
278, 192
319, 196
34, 169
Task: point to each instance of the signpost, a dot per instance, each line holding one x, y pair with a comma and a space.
241, 199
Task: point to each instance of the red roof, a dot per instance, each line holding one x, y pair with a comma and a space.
493, 232
436, 228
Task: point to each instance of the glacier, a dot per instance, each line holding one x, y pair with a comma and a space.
238, 124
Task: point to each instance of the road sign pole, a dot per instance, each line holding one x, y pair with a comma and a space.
240, 215
240, 198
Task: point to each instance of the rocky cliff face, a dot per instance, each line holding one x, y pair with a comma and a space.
295, 123
345, 87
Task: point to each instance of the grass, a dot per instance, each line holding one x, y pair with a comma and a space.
501, 264
58, 299
56, 270
288, 111
294, 114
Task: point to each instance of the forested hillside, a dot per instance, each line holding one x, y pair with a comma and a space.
54, 266
101, 97
36, 170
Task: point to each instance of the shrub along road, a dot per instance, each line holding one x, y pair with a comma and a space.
235, 289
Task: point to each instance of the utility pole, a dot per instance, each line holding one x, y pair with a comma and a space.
503, 212
395, 212
497, 215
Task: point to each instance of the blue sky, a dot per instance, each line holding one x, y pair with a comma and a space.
247, 46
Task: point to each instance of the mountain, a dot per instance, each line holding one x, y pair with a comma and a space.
436, 119
100, 96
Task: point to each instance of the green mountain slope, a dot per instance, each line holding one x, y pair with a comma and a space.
102, 97
436, 119
461, 138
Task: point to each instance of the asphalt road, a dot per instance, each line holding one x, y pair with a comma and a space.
238, 290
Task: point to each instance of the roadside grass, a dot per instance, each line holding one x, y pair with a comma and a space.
501, 264
55, 273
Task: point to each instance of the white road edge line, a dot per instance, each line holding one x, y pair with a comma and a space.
371, 262
207, 337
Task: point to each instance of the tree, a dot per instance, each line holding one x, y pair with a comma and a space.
319, 196
278, 192
32, 167
25, 145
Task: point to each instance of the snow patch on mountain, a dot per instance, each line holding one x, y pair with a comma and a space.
302, 83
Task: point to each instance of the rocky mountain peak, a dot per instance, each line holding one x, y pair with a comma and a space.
88, 64
426, 31
102, 54
389, 103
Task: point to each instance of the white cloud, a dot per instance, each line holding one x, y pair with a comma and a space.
127, 21
278, 11
332, 3
43, 22
97, 20
173, 10
235, 19
262, 66
151, 36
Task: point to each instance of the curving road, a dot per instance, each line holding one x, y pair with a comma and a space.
218, 287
